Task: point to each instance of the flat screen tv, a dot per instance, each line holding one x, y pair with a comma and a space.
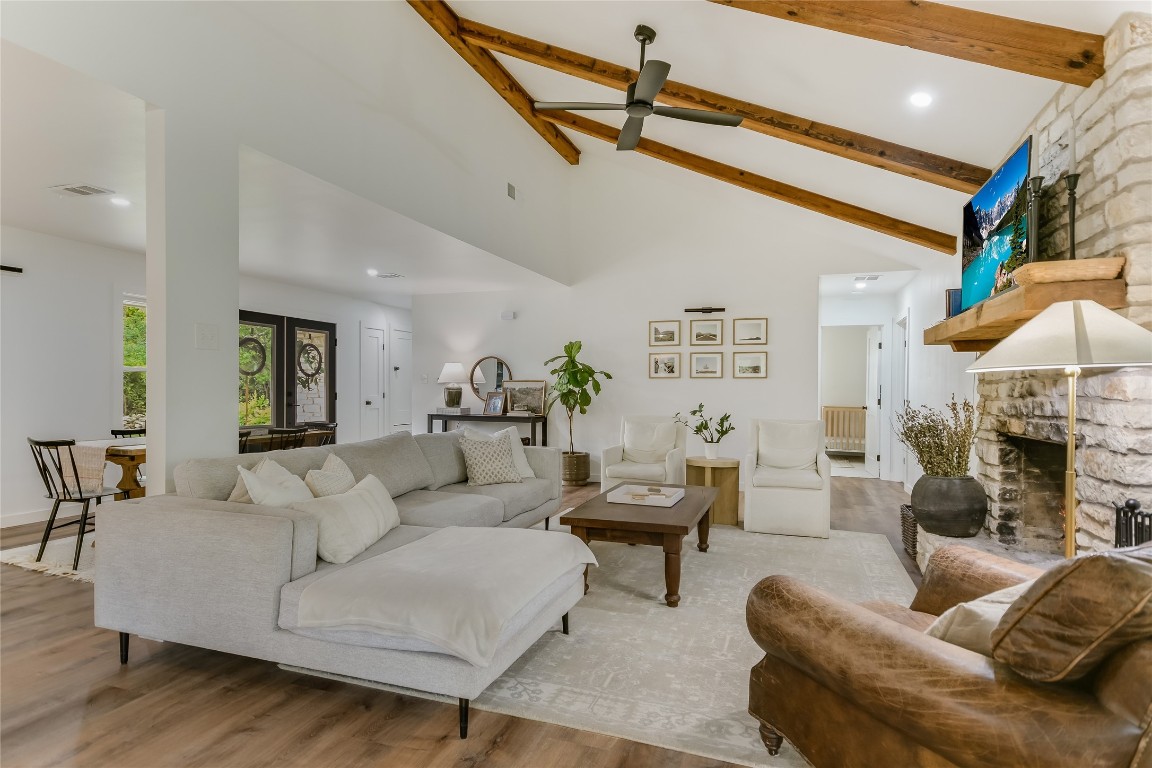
995, 239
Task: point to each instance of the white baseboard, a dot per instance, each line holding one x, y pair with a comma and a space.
23, 518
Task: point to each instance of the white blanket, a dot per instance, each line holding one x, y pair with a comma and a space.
455, 588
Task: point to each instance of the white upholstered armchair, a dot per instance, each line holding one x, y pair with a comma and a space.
652, 449
787, 486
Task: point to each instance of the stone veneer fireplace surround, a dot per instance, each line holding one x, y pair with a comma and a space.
1111, 124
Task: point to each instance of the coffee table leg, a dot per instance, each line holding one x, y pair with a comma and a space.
672, 545
702, 532
582, 534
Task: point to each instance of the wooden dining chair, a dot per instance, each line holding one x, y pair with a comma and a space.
56, 463
244, 435
284, 438
129, 432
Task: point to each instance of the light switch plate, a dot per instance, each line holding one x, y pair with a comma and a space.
207, 336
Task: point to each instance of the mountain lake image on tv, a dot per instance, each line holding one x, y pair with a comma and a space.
995, 240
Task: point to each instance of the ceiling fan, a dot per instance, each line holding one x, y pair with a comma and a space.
641, 95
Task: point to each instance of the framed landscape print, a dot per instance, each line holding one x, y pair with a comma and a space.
750, 330
707, 332
706, 365
749, 365
664, 365
525, 397
663, 333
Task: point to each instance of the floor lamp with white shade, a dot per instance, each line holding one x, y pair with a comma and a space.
1070, 336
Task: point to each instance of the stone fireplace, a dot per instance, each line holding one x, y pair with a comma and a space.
1020, 450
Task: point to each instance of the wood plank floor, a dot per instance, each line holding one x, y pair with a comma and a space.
65, 700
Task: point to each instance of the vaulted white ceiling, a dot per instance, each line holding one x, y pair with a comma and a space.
58, 126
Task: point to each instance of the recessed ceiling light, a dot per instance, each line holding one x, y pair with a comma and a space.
861, 286
120, 201
373, 272
920, 99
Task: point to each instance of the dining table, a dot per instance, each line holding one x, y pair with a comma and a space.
127, 453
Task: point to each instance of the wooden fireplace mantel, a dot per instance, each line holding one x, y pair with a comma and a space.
1040, 285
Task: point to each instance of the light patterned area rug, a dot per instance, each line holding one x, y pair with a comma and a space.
57, 558
678, 677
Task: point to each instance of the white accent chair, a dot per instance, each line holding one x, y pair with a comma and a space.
652, 449
787, 486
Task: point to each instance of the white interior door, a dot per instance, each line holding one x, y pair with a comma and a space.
372, 380
400, 382
873, 401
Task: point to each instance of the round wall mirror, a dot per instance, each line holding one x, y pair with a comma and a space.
488, 374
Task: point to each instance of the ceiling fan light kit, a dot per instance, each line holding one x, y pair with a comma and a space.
641, 99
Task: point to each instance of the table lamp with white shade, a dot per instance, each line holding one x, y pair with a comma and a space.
452, 375
1070, 336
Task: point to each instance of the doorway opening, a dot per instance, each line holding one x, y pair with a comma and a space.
850, 398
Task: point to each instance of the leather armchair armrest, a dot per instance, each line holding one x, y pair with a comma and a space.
674, 466
967, 708
957, 574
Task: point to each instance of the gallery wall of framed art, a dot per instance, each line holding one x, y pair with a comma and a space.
742, 332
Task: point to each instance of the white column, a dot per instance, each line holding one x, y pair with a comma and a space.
193, 292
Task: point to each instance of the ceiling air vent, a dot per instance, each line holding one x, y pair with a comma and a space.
389, 275
80, 190
865, 278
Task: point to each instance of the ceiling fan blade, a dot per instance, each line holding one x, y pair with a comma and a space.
698, 115
651, 80
630, 134
575, 105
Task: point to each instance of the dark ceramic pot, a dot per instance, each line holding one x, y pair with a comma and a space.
575, 468
949, 506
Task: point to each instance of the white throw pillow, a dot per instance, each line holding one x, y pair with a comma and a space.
269, 483
489, 461
969, 625
351, 522
788, 445
333, 478
519, 458
648, 442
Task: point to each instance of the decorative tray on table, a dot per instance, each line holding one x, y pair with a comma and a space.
648, 495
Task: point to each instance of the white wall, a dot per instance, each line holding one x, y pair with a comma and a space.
647, 251
60, 326
844, 365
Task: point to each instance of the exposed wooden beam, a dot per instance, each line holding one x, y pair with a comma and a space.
1054, 53
877, 222
446, 23
781, 125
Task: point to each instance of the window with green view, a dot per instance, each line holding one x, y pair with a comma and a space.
135, 377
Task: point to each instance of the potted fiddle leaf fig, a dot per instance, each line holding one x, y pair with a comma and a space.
711, 433
946, 500
573, 389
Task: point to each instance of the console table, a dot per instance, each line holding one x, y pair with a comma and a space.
508, 418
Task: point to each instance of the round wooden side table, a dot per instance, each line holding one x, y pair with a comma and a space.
724, 475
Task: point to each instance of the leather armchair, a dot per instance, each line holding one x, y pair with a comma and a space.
787, 486
635, 458
860, 685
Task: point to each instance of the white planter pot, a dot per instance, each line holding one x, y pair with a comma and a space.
711, 450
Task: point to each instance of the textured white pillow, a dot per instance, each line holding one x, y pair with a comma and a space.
969, 625
333, 478
519, 458
351, 522
787, 445
269, 483
489, 461
648, 442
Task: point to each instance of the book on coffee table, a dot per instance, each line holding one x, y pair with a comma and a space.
648, 495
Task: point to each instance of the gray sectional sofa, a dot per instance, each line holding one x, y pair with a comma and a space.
194, 568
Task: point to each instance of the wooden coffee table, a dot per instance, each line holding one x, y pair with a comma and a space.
599, 520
